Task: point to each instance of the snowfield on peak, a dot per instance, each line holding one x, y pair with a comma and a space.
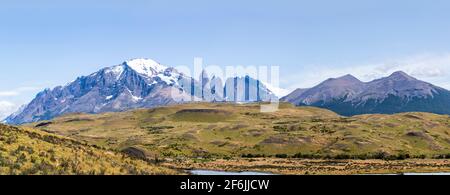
146, 67
279, 92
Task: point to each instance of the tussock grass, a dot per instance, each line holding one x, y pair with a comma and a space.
208, 130
32, 152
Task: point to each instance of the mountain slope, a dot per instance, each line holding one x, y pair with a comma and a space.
31, 152
138, 83
293, 96
394, 94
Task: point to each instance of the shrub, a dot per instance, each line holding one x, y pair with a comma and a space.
253, 155
281, 155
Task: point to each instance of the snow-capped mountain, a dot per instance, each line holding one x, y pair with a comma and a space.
254, 90
138, 83
396, 93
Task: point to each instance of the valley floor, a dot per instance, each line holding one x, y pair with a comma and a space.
317, 167
177, 136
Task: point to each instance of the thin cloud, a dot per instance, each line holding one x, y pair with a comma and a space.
422, 66
8, 93
17, 92
6, 108
434, 68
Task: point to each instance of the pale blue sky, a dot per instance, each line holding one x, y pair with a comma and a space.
44, 43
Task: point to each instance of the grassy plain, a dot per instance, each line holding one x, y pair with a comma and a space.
220, 132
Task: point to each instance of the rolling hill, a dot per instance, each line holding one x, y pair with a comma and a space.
211, 130
26, 151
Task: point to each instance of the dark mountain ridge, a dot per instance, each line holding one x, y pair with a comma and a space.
396, 93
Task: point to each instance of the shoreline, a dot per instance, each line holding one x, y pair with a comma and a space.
317, 167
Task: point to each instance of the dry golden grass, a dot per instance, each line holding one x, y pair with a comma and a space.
32, 152
229, 131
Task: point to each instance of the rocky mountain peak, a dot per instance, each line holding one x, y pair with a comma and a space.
137, 83
400, 75
396, 93
346, 80
349, 77
144, 66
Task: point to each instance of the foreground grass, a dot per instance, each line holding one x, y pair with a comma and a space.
31, 152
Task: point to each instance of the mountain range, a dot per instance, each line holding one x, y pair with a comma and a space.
144, 83
137, 83
396, 93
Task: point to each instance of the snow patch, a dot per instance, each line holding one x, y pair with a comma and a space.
116, 71
135, 98
153, 83
279, 92
146, 67
167, 79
